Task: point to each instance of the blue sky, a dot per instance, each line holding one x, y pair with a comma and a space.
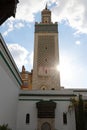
71, 16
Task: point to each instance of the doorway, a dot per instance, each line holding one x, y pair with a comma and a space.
46, 126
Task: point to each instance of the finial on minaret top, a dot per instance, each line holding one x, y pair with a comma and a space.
46, 6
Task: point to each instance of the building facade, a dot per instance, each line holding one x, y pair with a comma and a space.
35, 100
10, 82
8, 9
46, 110
46, 105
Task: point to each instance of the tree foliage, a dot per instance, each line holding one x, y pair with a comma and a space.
4, 127
80, 114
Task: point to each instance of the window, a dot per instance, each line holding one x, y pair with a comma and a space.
46, 47
46, 71
65, 118
25, 83
52, 88
26, 76
46, 59
27, 118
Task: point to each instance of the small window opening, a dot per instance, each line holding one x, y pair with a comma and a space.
52, 88
27, 118
46, 48
46, 71
65, 118
25, 83
46, 60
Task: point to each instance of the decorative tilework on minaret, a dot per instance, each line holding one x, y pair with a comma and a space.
46, 54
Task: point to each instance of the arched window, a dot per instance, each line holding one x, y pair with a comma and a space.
65, 118
27, 118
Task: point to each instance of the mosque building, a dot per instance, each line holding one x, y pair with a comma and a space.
35, 100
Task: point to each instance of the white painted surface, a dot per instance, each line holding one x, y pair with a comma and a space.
62, 106
9, 90
27, 104
24, 108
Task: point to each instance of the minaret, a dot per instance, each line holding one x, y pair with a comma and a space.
46, 54
46, 15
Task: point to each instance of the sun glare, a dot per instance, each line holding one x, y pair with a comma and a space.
65, 68
58, 67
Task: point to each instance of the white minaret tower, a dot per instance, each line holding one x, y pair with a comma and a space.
46, 54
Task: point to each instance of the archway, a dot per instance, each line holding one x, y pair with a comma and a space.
45, 126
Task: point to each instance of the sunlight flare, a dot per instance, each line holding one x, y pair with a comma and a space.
66, 68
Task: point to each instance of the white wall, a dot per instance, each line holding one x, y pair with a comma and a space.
8, 97
27, 104
62, 107
24, 108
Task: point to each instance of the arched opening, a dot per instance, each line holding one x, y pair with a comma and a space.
65, 118
27, 118
46, 126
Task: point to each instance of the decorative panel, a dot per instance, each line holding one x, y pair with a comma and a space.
46, 109
51, 28
46, 54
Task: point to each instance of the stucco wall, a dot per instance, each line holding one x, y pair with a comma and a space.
62, 107
8, 96
24, 108
27, 104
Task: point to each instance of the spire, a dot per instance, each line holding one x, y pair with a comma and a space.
23, 68
46, 6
